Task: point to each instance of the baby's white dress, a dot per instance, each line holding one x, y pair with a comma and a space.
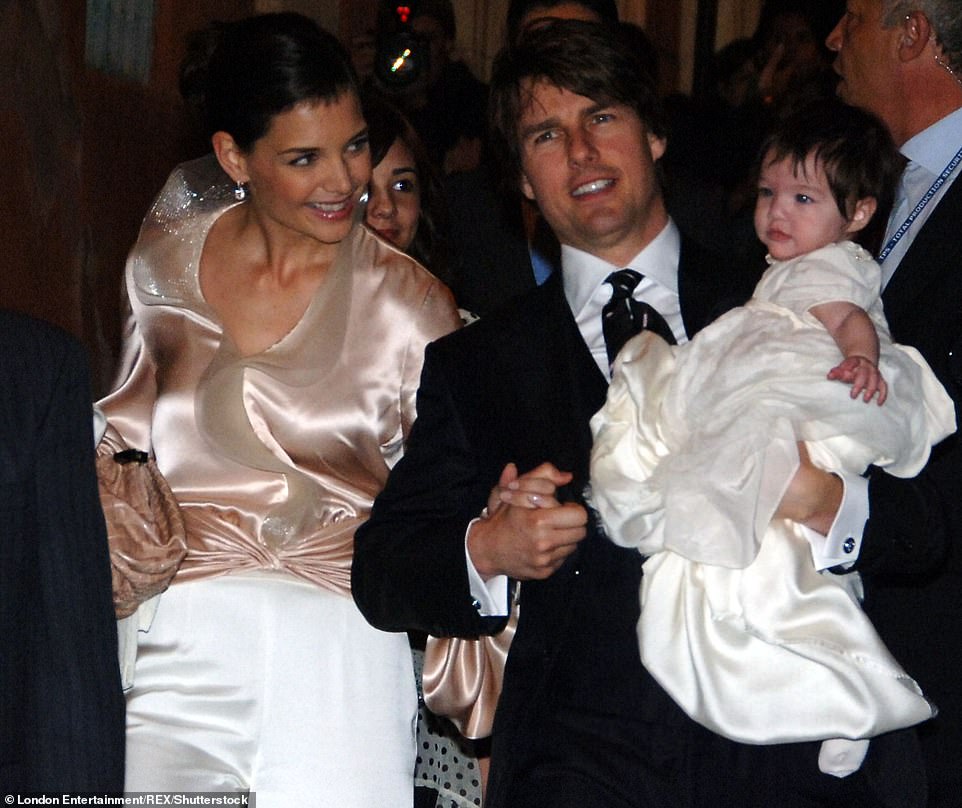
693, 450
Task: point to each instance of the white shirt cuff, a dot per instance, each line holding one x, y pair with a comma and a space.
843, 543
491, 596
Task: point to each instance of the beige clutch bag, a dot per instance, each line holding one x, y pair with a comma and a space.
145, 529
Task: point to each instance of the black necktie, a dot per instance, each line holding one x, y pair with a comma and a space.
622, 317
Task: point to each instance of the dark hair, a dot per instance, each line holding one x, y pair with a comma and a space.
819, 15
386, 125
441, 10
589, 59
606, 10
239, 75
853, 147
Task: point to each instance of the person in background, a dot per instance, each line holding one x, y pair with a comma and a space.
271, 362
61, 703
405, 207
903, 61
405, 203
442, 99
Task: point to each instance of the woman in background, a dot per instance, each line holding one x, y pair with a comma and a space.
405, 207
273, 353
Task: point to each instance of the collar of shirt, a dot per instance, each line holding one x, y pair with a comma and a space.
934, 147
586, 291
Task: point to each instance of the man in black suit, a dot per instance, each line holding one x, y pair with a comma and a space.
580, 721
61, 704
903, 61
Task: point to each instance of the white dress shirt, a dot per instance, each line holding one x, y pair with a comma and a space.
587, 293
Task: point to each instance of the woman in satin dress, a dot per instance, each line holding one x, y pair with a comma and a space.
271, 361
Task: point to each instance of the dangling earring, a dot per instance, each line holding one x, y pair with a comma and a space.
364, 197
240, 191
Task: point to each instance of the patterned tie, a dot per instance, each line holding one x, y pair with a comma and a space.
622, 317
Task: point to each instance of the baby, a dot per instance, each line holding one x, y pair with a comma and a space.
696, 445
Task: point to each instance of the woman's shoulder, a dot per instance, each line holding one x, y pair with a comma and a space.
164, 261
381, 259
193, 189
390, 278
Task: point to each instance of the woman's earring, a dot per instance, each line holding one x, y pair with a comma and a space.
364, 197
240, 191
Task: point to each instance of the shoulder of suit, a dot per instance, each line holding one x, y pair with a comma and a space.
521, 317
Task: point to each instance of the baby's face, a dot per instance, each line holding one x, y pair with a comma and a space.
796, 212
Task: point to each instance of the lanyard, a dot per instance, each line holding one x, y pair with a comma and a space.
903, 228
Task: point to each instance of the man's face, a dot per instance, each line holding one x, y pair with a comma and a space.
591, 169
866, 58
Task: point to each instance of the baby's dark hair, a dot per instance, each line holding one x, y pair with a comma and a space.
853, 147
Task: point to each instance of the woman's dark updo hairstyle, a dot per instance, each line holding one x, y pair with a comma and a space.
386, 124
239, 75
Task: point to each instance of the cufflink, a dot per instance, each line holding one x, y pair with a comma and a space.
848, 545
476, 604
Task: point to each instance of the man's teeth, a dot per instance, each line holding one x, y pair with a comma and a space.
591, 187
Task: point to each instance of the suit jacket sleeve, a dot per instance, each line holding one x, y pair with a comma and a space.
409, 570
913, 523
74, 707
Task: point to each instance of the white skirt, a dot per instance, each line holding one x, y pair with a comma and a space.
263, 683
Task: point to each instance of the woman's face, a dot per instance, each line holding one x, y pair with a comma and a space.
307, 174
394, 205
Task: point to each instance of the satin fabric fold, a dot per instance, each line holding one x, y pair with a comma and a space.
693, 451
462, 677
274, 458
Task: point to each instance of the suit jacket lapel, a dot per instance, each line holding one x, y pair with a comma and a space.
559, 386
934, 252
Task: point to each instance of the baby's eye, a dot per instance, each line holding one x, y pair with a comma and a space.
764, 193
803, 199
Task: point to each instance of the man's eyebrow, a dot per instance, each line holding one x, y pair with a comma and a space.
539, 126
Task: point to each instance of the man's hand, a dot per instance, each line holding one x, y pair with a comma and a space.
526, 533
813, 496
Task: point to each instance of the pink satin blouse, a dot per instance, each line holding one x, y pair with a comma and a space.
275, 458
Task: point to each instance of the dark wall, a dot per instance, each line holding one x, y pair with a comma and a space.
84, 154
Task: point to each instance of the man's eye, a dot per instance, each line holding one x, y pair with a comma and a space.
359, 145
544, 137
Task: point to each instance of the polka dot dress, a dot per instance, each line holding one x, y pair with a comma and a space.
445, 762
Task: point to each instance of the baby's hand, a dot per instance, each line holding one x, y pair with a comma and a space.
864, 376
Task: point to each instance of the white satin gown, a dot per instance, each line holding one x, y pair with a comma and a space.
693, 450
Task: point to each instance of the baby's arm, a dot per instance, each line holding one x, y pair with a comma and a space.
855, 335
